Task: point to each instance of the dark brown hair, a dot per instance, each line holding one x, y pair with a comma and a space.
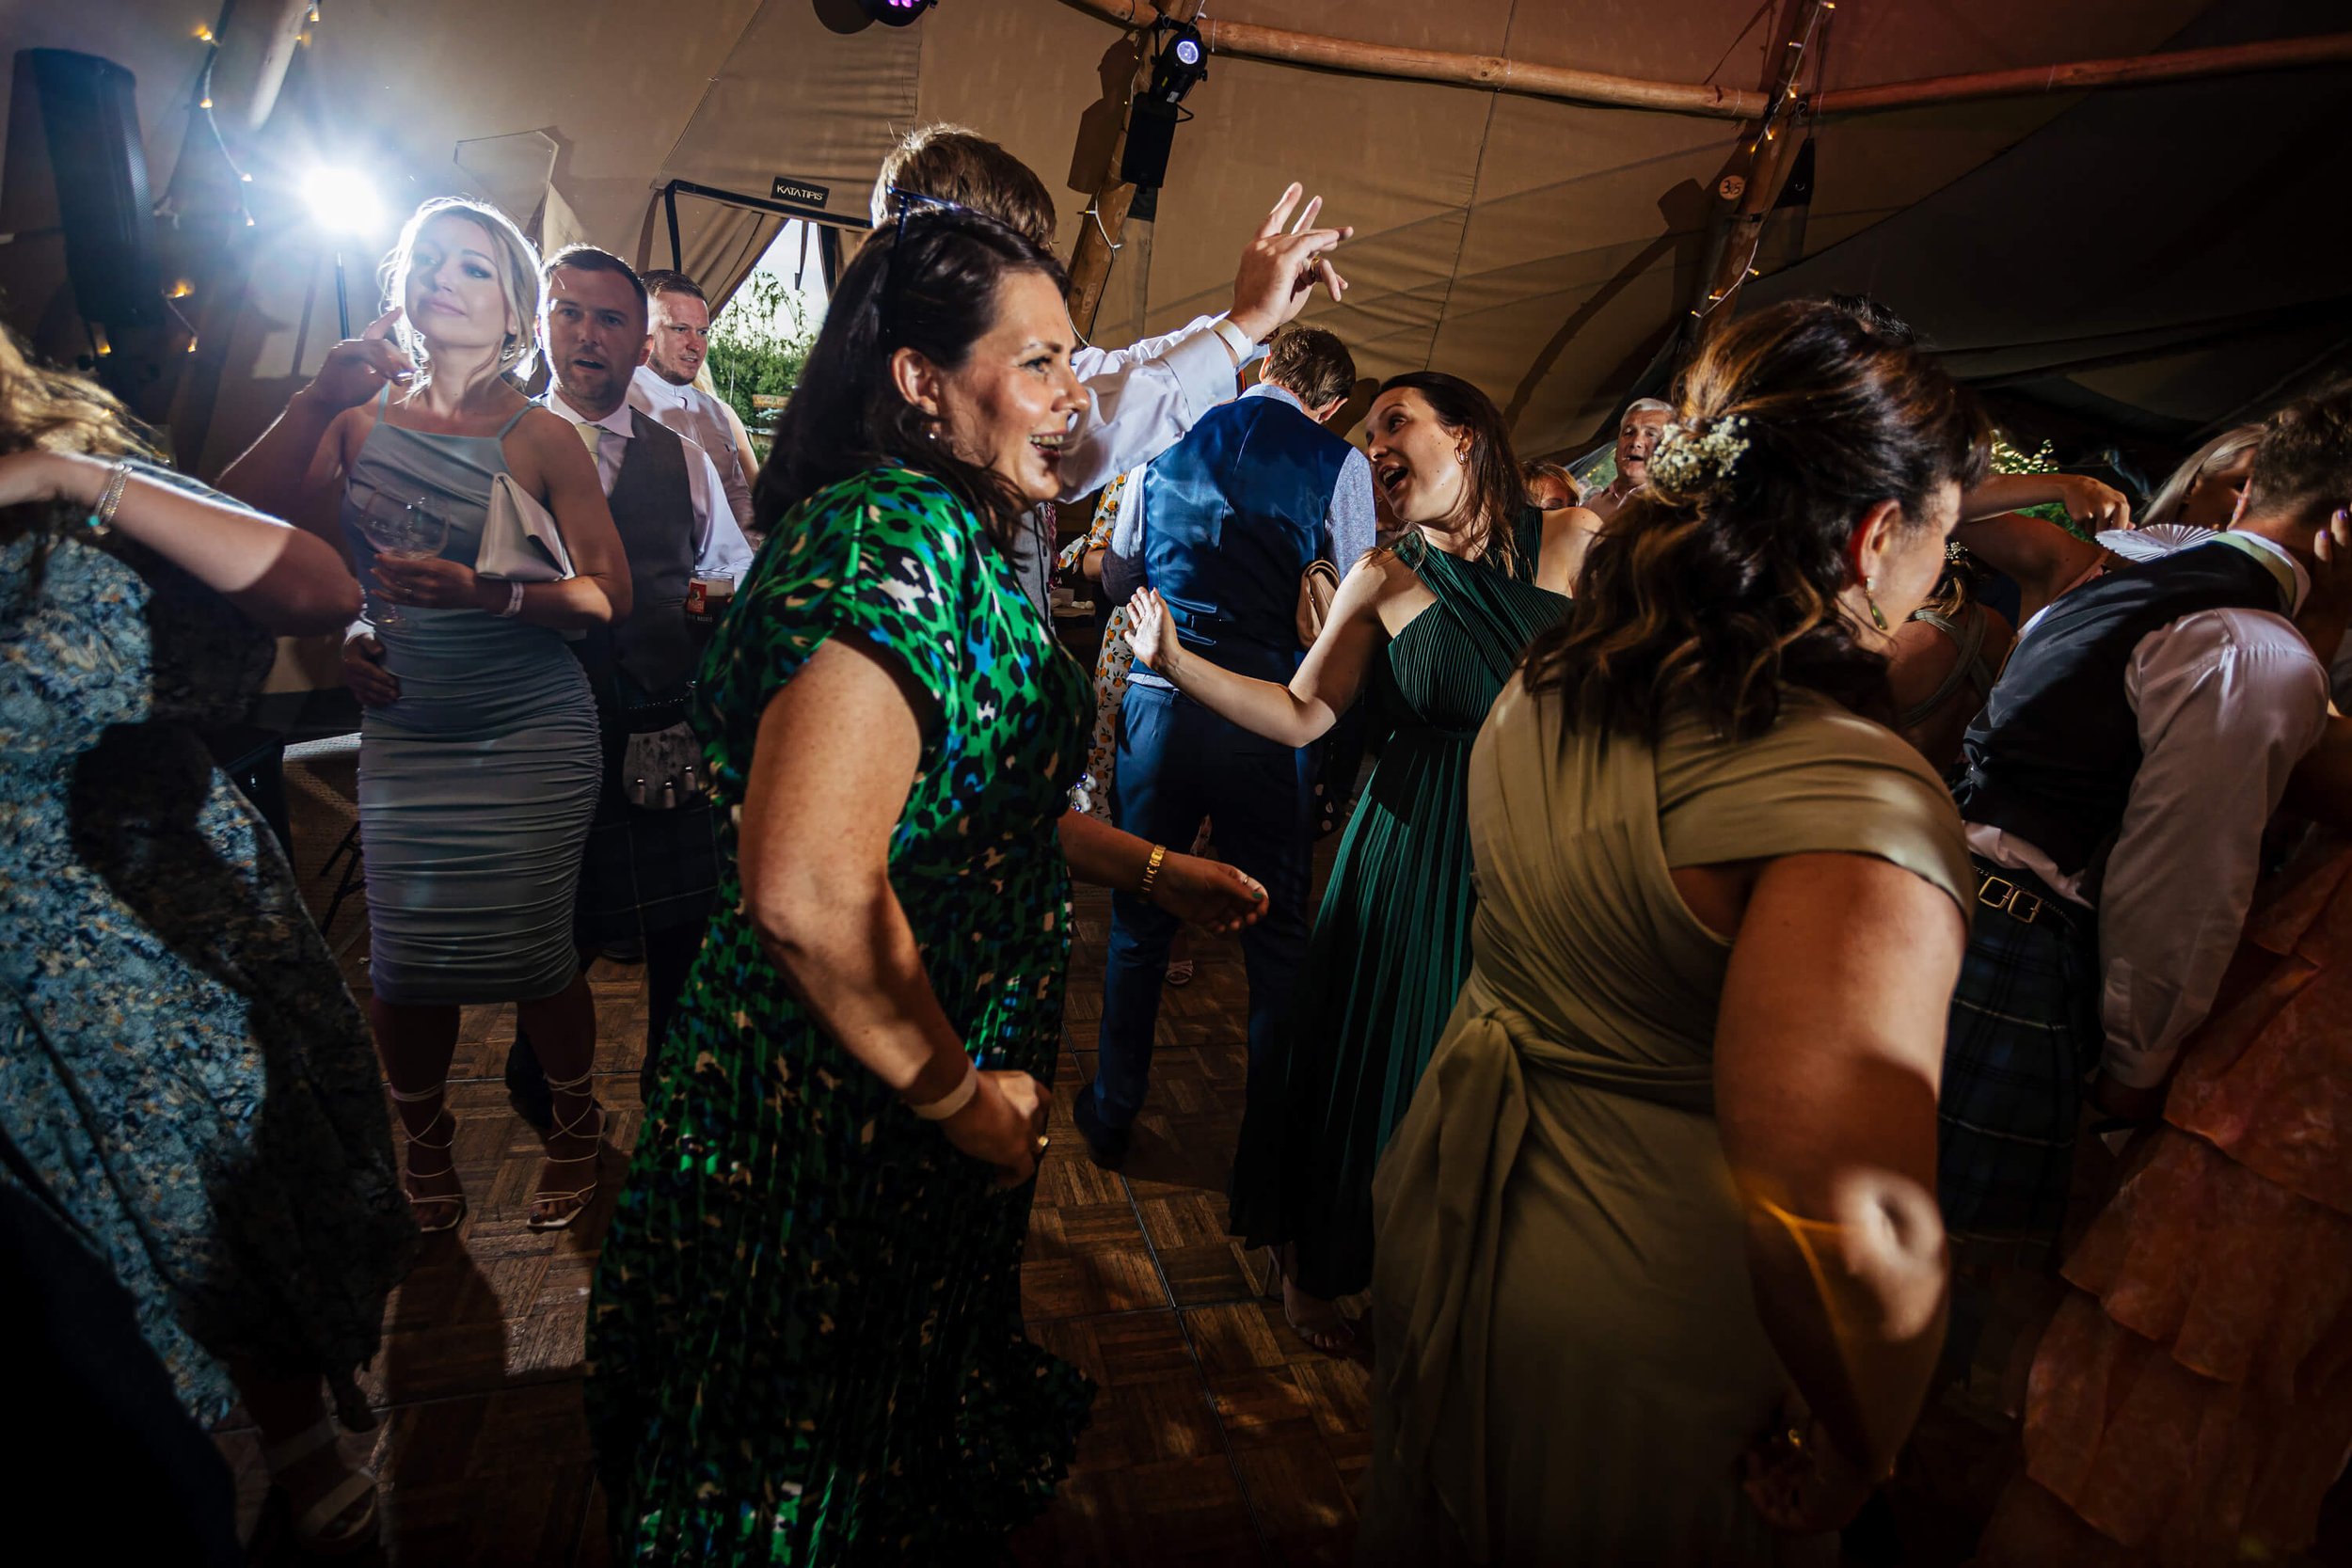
1310, 364
1716, 588
933, 288
952, 162
588, 258
2306, 452
1492, 491
662, 280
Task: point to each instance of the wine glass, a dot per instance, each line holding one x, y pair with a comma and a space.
400, 529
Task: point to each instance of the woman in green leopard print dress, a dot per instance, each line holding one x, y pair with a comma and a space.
805, 1342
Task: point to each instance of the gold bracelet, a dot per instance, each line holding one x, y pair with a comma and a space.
1152, 870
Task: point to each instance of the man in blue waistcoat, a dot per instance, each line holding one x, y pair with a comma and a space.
1226, 520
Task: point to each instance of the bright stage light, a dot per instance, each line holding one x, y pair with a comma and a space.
341, 201
1181, 62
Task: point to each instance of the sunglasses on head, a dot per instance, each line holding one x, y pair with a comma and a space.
916, 201
908, 202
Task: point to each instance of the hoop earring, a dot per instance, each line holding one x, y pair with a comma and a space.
1878, 616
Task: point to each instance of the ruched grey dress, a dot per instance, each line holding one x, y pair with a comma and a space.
476, 788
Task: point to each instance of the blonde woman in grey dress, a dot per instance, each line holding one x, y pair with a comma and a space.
477, 786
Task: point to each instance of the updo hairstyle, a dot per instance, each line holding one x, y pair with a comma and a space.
1720, 583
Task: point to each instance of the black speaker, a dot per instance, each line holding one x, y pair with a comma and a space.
91, 120
1151, 133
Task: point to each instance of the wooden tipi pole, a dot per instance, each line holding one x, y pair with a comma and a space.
1106, 216
1498, 74
1769, 155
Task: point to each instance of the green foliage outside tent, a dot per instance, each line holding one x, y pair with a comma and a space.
759, 345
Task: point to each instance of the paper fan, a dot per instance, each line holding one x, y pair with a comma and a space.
2156, 541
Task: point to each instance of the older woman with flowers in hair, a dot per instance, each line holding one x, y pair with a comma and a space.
1662, 1220
477, 786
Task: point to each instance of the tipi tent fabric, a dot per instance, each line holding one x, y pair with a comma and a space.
1541, 248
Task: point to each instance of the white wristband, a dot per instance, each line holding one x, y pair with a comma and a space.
514, 601
1235, 338
954, 1100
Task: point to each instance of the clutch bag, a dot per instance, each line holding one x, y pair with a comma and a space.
520, 542
1317, 586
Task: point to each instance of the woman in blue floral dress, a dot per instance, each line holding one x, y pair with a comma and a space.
805, 1340
184, 1075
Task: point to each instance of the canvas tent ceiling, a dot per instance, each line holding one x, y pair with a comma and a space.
1539, 248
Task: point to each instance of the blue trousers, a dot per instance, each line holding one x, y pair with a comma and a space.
1177, 764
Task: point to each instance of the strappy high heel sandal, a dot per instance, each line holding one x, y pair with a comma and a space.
579, 1199
320, 1528
418, 1204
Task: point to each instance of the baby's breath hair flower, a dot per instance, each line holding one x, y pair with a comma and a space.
1692, 460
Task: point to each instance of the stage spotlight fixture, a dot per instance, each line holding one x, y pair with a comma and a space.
1180, 65
1177, 66
896, 13
344, 206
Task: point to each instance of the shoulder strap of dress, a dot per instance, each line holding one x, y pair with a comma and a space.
1528, 538
508, 429
1412, 548
1969, 667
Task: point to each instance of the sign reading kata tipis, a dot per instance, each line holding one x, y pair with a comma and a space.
806, 192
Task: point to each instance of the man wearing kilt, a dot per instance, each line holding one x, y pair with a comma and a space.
651, 867
2115, 789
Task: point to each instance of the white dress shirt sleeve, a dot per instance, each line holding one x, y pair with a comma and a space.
1352, 527
1141, 401
2227, 702
719, 542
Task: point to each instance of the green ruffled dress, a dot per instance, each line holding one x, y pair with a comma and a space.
1391, 943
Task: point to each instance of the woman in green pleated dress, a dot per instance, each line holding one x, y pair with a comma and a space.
1430, 627
805, 1341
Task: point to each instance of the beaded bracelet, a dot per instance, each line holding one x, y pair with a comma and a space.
103, 515
1152, 870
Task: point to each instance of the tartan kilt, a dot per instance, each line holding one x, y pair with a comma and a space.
642, 870
2023, 1035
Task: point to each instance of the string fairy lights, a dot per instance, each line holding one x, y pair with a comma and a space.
1795, 106
209, 34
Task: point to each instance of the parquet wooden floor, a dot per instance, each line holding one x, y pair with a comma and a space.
1218, 1437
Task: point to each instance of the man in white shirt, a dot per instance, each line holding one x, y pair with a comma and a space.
2115, 791
1142, 398
678, 339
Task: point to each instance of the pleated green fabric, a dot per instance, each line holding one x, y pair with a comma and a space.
805, 1342
1391, 943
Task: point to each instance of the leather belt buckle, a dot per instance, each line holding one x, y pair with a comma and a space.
2010, 899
